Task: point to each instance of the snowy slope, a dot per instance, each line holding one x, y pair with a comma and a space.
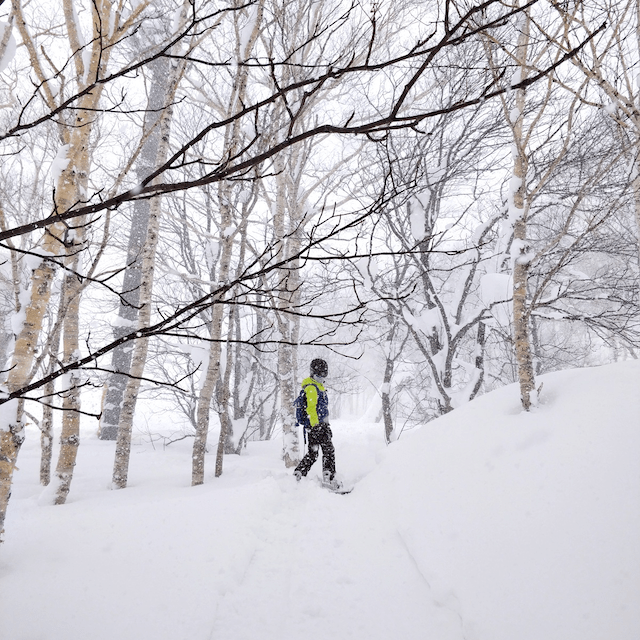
488, 524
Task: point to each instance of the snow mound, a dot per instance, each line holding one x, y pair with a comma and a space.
527, 525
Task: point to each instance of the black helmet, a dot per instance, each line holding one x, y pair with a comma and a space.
319, 368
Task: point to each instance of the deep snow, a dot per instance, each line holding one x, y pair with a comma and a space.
488, 524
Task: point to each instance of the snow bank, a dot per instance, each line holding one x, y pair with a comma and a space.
527, 525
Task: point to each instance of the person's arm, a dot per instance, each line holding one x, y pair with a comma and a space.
312, 404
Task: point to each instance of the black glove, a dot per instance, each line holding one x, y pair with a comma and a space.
324, 424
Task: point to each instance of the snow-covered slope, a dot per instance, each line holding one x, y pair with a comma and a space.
488, 524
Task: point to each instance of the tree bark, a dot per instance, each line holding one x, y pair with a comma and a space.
129, 305
225, 442
204, 398
46, 437
70, 436
521, 249
215, 351
386, 399
286, 365
139, 357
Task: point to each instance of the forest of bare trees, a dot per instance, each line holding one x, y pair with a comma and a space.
197, 196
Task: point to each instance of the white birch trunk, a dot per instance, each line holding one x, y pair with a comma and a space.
148, 258
213, 365
204, 398
225, 445
286, 368
70, 436
521, 249
125, 427
128, 311
72, 286
46, 437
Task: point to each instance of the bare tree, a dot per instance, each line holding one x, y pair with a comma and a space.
233, 144
608, 64
545, 124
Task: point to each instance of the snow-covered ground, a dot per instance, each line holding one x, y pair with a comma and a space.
488, 524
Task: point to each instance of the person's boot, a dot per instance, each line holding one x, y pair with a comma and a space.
329, 480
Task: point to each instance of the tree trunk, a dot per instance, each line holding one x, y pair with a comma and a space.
11, 439
148, 258
225, 441
286, 364
521, 249
386, 400
239, 407
204, 399
215, 351
46, 436
70, 436
388, 375
46, 426
481, 338
125, 427
129, 306
291, 445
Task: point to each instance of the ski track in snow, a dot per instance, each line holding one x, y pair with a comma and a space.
251, 555
321, 569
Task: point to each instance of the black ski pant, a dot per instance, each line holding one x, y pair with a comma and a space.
319, 436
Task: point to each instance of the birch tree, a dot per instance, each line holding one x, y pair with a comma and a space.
89, 62
549, 129
521, 250
245, 42
159, 96
519, 202
147, 263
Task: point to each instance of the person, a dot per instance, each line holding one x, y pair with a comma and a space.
315, 419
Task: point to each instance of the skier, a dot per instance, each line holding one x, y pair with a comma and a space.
314, 415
